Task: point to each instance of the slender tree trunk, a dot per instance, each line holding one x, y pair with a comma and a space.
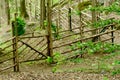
94, 17
49, 20
108, 2
3, 11
69, 17
0, 13
42, 13
81, 30
23, 11
7, 11
36, 4
30, 6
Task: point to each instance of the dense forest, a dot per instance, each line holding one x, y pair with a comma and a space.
59, 40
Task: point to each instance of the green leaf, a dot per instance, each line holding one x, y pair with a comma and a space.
49, 59
54, 69
105, 78
20, 24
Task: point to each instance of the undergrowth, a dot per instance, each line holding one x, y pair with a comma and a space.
92, 48
100, 66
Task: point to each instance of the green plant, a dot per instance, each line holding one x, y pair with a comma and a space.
103, 23
54, 69
117, 62
55, 1
91, 47
77, 60
20, 24
49, 60
79, 46
104, 66
105, 78
115, 72
57, 59
112, 8
54, 29
109, 48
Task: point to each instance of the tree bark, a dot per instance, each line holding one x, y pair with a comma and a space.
7, 11
94, 17
23, 11
50, 42
42, 13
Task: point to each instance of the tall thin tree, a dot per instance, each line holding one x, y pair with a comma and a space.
23, 11
42, 13
94, 17
7, 11
49, 20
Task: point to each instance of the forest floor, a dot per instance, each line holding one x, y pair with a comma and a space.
92, 67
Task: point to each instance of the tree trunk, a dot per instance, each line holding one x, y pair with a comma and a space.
23, 11
36, 10
108, 2
69, 17
50, 42
42, 13
7, 11
0, 13
94, 17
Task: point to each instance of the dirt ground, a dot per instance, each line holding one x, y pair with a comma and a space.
58, 76
69, 70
